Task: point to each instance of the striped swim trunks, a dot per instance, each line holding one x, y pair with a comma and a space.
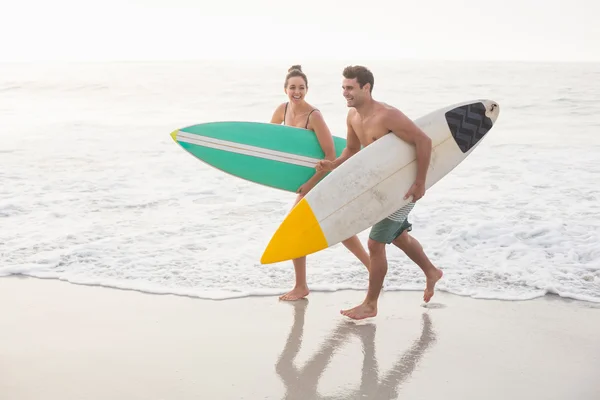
388, 229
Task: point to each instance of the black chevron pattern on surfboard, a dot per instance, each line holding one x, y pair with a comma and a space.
468, 124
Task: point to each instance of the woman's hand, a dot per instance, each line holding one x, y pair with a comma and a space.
304, 189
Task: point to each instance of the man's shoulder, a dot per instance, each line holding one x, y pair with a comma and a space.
352, 114
391, 113
388, 108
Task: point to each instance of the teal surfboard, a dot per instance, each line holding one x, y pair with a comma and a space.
278, 156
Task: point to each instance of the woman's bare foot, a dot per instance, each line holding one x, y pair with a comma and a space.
296, 293
431, 281
361, 312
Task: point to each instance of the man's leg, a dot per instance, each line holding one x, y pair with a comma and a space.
377, 272
413, 249
381, 234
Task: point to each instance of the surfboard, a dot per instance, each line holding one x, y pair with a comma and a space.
371, 185
277, 156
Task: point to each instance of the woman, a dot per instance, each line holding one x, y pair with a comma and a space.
297, 112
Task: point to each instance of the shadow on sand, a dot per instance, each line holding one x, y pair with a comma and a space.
302, 383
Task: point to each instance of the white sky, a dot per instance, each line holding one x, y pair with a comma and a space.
292, 30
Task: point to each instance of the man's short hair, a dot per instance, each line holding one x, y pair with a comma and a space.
362, 75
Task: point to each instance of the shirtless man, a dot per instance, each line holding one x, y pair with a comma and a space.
367, 121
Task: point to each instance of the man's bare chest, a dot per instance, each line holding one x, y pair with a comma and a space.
369, 131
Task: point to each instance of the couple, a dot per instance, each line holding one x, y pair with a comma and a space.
367, 121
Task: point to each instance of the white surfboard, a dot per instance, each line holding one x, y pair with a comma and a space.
371, 185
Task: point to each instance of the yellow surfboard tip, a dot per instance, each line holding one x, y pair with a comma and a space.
298, 235
174, 135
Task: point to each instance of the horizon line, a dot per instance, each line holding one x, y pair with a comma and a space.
253, 61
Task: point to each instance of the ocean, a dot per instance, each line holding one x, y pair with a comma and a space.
94, 191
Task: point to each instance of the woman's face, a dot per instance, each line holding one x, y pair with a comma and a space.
296, 89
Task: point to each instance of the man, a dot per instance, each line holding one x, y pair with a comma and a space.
367, 121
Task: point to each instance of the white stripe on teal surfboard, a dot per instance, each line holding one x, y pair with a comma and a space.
248, 150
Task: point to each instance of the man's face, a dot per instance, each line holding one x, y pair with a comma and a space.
352, 92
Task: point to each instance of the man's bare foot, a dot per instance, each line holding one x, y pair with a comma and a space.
296, 293
431, 281
361, 312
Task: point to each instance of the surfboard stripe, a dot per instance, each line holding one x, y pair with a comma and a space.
282, 138
275, 174
245, 149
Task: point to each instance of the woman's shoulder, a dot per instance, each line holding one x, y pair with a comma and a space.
315, 113
278, 114
312, 110
315, 120
281, 107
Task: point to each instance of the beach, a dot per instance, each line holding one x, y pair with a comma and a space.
64, 341
131, 270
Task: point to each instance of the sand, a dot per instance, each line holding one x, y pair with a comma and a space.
65, 341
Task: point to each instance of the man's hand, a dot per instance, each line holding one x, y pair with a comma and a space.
417, 190
324, 166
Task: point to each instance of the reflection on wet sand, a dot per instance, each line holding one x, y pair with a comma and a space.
302, 383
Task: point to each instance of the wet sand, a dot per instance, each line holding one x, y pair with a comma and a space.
65, 341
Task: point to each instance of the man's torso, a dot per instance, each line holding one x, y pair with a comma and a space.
370, 127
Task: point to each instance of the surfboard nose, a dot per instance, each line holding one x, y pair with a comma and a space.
470, 122
174, 135
298, 235
492, 109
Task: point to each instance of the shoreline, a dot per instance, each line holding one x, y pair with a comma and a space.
277, 292
76, 341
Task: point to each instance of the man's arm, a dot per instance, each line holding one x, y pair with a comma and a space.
407, 130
